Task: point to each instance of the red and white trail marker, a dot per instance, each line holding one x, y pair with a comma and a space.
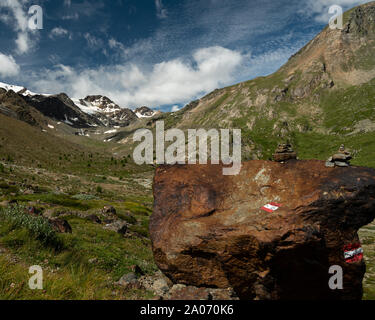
353, 252
271, 207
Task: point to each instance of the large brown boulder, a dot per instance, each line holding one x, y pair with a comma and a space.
210, 230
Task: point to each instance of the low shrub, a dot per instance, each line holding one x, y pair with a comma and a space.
85, 197
38, 227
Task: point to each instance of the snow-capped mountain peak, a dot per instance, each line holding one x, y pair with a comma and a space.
95, 110
21, 90
144, 112
17, 89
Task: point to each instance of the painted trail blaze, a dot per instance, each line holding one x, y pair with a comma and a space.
353, 253
271, 207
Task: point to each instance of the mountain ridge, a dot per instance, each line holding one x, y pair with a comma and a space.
323, 96
91, 111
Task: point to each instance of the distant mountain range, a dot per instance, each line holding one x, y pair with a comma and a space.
92, 111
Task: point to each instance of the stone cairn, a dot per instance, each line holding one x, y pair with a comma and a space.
284, 152
340, 159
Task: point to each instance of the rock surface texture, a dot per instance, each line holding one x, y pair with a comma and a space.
271, 232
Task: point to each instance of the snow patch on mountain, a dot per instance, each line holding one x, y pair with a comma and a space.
89, 109
110, 131
144, 112
20, 90
92, 111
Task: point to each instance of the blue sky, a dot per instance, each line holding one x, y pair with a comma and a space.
159, 53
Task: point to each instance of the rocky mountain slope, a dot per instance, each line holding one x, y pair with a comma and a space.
323, 96
92, 111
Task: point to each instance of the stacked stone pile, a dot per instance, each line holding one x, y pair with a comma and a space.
284, 152
340, 159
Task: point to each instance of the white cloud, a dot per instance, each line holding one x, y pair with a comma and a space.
319, 8
9, 67
92, 41
58, 32
175, 108
114, 44
73, 16
170, 82
19, 22
161, 12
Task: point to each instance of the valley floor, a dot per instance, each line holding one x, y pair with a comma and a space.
87, 263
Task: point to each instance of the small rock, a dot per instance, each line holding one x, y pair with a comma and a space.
108, 210
129, 281
281, 157
223, 294
60, 225
341, 157
157, 283
160, 287
117, 226
330, 164
191, 293
128, 278
341, 164
94, 218
176, 288
93, 260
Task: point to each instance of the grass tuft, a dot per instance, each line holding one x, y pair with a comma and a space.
17, 218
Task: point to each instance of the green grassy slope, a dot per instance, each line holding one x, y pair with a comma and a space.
322, 97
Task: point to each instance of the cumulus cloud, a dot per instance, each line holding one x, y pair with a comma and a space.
161, 12
9, 67
58, 32
319, 8
114, 44
175, 108
92, 41
19, 22
73, 16
176, 81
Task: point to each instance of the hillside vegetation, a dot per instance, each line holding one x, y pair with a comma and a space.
322, 97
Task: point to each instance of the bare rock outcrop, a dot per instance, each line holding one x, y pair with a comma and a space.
272, 232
